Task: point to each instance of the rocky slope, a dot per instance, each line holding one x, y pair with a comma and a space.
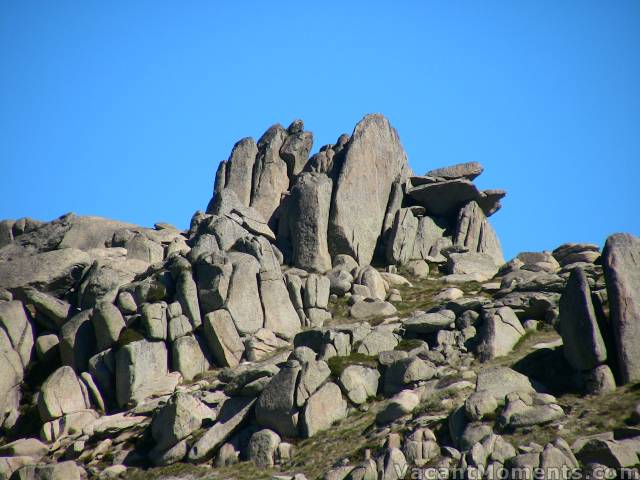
331, 317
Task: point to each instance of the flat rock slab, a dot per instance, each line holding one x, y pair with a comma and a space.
444, 199
233, 413
371, 308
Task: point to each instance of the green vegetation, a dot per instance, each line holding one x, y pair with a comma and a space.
338, 364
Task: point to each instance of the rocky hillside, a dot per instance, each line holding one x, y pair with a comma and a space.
333, 316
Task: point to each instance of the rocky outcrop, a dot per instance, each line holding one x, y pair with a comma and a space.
373, 161
584, 346
313, 295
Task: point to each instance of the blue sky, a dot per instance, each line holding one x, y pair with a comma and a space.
124, 109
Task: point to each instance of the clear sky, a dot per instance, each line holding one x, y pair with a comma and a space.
124, 109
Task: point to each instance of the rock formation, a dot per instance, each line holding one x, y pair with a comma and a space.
337, 297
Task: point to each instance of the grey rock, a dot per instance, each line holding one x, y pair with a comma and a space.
213, 276
270, 179
500, 381
187, 295
500, 331
127, 303
16, 324
55, 271
324, 408
400, 405
340, 281
139, 247
276, 406
312, 376
239, 169
233, 414
28, 447
611, 453
279, 314
223, 339
359, 383
525, 410
371, 278
262, 344
481, 265
443, 199
57, 311
368, 308
406, 373
188, 357
567, 253
621, 261
107, 324
295, 151
47, 348
474, 232
308, 220
480, 404
316, 291
57, 471
423, 323
243, 300
262, 448
402, 238
154, 320
177, 420
418, 268
474, 433
469, 170
178, 327
78, 341
104, 278
373, 160
377, 341
583, 345
61, 394
393, 463
600, 380
141, 371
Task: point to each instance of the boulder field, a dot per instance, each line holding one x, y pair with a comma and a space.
335, 298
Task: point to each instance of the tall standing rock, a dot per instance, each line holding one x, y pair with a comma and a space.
474, 232
308, 213
296, 147
621, 261
239, 169
584, 347
243, 299
373, 161
270, 179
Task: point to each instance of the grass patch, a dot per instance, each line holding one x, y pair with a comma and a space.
408, 344
177, 470
337, 364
